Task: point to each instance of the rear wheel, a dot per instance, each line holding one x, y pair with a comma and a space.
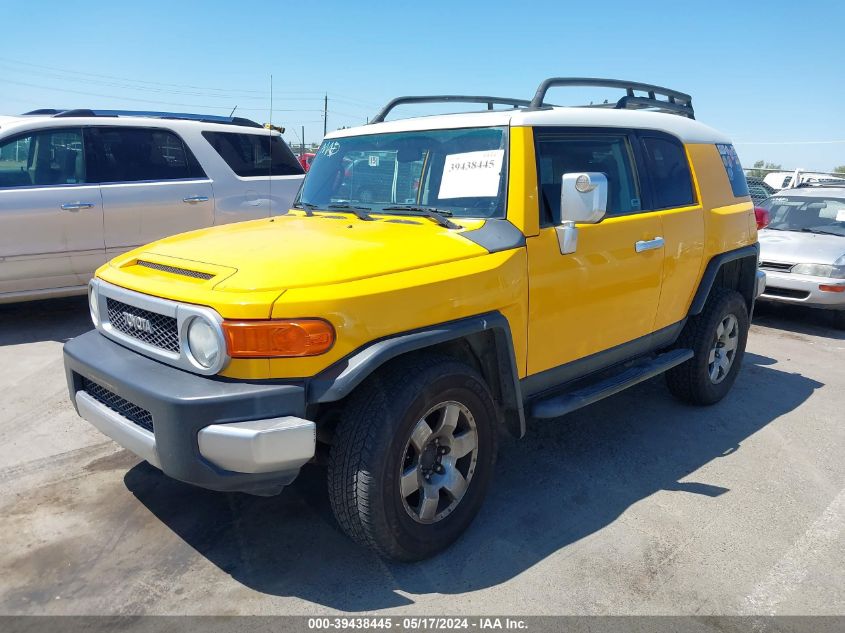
839, 319
717, 338
413, 457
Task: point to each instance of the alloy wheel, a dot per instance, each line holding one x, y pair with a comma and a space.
439, 462
724, 349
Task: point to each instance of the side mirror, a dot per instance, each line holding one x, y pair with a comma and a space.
583, 197
583, 200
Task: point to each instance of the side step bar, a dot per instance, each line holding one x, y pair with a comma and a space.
556, 406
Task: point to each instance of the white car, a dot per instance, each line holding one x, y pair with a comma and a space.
780, 180
78, 187
802, 249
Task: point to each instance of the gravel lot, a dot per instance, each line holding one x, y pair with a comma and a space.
636, 505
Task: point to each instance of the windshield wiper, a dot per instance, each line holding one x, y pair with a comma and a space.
821, 232
306, 206
360, 212
438, 215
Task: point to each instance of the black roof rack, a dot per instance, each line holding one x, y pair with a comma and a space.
490, 101
675, 102
182, 116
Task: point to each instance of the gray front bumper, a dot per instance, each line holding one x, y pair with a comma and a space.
803, 290
207, 431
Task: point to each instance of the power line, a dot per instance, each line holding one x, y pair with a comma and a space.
65, 71
156, 101
230, 95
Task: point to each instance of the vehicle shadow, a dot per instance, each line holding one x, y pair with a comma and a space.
49, 320
798, 319
564, 481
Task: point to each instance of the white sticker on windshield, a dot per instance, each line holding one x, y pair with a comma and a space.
840, 215
471, 175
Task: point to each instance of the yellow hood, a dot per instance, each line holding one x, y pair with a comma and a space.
292, 251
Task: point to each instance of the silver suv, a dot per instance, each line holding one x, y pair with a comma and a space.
78, 187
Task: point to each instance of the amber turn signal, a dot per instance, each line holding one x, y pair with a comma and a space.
278, 338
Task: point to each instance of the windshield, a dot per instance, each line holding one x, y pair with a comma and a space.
808, 214
455, 172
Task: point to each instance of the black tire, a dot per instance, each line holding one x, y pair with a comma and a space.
691, 381
839, 319
372, 445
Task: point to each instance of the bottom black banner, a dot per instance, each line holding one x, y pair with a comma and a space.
526, 624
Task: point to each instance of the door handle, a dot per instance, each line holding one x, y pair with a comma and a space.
195, 199
76, 206
648, 245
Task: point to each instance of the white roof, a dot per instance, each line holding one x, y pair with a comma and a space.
38, 121
828, 191
688, 130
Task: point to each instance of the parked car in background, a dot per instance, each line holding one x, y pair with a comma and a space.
780, 180
78, 187
802, 249
306, 159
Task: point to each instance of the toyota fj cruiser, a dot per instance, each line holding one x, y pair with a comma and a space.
439, 279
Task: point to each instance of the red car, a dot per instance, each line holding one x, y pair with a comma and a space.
305, 160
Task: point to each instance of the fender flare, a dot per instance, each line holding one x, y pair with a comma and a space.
713, 266
341, 378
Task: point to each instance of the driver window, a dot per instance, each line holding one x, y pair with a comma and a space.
561, 153
51, 157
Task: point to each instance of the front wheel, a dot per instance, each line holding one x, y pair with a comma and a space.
413, 457
717, 338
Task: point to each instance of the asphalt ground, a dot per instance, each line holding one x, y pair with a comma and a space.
636, 505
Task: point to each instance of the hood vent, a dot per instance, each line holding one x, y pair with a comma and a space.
176, 271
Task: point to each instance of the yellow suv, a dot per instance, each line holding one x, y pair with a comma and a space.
439, 279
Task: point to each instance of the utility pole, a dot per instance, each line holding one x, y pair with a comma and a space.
326, 114
302, 139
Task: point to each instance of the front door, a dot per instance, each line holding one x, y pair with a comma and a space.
606, 293
50, 216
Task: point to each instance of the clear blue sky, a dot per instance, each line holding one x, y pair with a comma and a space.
769, 74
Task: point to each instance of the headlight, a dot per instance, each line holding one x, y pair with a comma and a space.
92, 304
203, 343
820, 270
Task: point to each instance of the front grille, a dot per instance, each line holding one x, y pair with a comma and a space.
779, 266
163, 332
175, 270
786, 292
131, 412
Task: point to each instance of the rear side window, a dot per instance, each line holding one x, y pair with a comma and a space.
254, 154
668, 173
50, 157
560, 153
734, 170
126, 154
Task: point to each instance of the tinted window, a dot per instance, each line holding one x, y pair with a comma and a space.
125, 154
51, 157
254, 154
669, 175
734, 170
563, 153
